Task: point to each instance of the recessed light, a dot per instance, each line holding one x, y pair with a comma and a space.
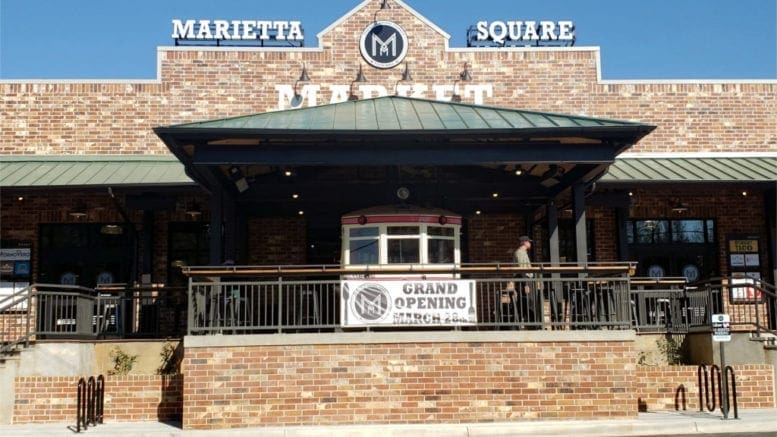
20, 198
287, 173
477, 212
631, 194
494, 195
518, 172
301, 212
744, 193
295, 196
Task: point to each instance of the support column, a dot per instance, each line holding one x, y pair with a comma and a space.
578, 211
216, 226
622, 216
146, 274
230, 229
552, 214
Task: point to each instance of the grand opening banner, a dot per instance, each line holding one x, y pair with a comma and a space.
376, 302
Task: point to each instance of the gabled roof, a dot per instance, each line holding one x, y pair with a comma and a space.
397, 2
91, 170
407, 115
666, 169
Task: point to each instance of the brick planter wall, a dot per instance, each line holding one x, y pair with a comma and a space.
440, 382
135, 398
657, 386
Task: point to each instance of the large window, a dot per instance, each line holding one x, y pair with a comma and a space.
670, 247
400, 244
86, 254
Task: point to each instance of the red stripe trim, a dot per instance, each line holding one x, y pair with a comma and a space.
377, 219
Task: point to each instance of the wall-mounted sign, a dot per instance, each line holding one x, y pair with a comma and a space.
743, 245
238, 30
383, 44
721, 327
413, 302
521, 33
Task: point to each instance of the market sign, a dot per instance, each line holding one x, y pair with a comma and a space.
383, 44
515, 32
375, 302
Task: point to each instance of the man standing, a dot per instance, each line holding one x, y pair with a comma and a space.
526, 299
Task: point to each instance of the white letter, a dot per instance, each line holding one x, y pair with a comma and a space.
286, 95
500, 37
339, 93
181, 30
440, 92
221, 29
482, 30
367, 91
478, 91
531, 31
248, 29
280, 27
295, 31
263, 25
515, 30
566, 30
419, 91
548, 30
402, 90
204, 31
235, 29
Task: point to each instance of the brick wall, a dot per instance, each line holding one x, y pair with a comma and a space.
493, 237
657, 386
406, 383
135, 398
276, 240
198, 84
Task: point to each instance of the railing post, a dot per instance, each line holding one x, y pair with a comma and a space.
190, 306
29, 316
280, 304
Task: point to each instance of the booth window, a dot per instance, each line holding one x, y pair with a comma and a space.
401, 244
441, 245
363, 245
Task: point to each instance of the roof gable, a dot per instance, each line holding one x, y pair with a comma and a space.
366, 3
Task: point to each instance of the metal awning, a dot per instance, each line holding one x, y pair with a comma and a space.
47, 171
689, 169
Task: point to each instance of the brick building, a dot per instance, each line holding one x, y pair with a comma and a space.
126, 181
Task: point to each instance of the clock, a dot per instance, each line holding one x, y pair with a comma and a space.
691, 272
403, 193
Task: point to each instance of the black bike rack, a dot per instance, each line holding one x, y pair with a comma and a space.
90, 397
717, 396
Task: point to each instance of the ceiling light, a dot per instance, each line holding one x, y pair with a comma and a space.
744, 193
477, 212
518, 172
494, 195
20, 198
295, 196
287, 173
300, 212
631, 194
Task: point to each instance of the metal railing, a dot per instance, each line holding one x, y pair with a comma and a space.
63, 311
750, 302
278, 299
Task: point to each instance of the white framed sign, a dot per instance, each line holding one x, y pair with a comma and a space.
389, 302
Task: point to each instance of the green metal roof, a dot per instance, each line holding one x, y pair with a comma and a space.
91, 170
396, 113
692, 169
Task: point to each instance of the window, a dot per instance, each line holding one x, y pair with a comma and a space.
666, 247
363, 245
401, 244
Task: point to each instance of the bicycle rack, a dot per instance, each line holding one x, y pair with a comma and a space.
717, 397
90, 396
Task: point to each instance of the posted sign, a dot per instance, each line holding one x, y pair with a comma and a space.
721, 329
375, 302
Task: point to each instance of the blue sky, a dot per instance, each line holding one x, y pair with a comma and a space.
655, 39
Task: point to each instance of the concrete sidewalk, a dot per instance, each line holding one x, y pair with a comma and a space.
657, 423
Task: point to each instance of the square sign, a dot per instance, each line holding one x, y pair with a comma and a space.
721, 328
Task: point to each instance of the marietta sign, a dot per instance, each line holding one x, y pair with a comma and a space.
513, 31
275, 30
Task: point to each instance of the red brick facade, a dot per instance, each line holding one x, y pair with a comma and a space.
406, 383
198, 83
135, 398
660, 387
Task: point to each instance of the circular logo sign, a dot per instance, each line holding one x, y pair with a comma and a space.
383, 44
371, 302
